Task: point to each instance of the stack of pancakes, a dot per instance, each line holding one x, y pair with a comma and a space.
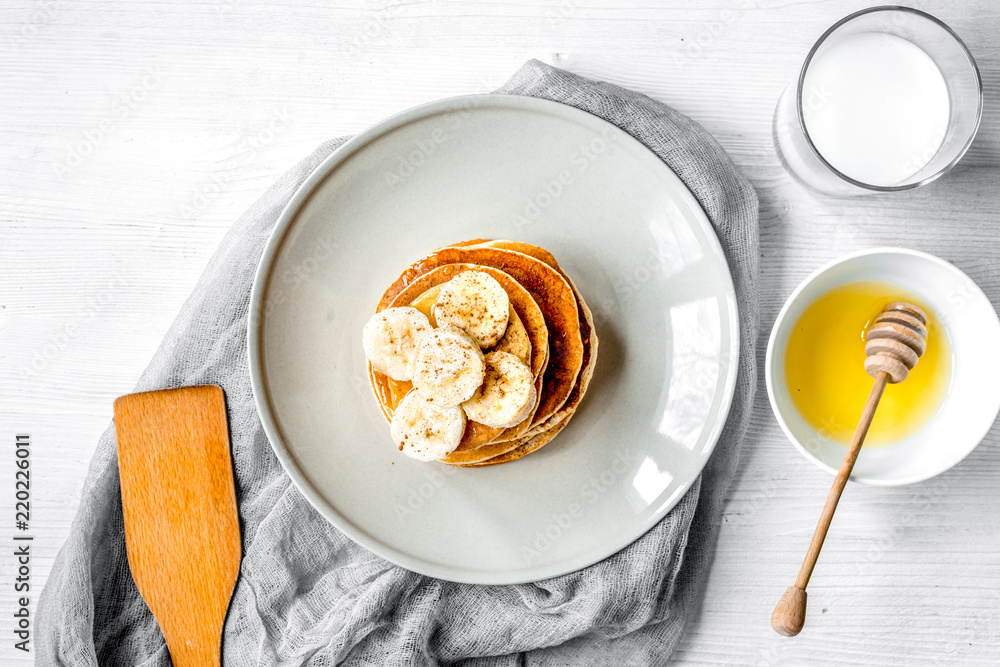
550, 328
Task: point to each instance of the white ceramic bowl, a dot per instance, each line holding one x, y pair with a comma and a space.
973, 398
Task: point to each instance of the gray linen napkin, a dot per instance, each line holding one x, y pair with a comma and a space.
307, 595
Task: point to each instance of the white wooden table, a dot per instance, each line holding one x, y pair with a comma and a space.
134, 133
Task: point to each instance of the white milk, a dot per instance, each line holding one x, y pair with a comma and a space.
876, 107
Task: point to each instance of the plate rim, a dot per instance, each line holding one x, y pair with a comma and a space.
258, 383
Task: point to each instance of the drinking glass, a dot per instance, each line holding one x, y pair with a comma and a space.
798, 150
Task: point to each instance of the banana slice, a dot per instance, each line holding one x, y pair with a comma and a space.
449, 366
506, 396
390, 340
424, 430
515, 339
475, 302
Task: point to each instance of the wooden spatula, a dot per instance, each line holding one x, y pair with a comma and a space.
182, 532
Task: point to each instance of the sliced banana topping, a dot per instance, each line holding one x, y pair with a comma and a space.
515, 339
449, 366
507, 394
425, 430
390, 340
476, 303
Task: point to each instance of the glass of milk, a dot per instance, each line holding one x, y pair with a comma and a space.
888, 99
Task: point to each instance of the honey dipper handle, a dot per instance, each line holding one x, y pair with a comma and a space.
841, 480
789, 616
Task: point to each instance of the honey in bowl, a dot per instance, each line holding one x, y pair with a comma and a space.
825, 366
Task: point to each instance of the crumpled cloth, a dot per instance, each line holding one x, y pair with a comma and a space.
308, 595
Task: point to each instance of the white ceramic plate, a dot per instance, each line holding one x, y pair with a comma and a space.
638, 247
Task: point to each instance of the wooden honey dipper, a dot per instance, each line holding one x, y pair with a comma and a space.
894, 342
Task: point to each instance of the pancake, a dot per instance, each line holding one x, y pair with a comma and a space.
550, 327
533, 439
484, 452
544, 432
550, 291
389, 392
587, 333
527, 315
525, 446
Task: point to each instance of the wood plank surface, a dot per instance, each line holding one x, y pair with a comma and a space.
134, 133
